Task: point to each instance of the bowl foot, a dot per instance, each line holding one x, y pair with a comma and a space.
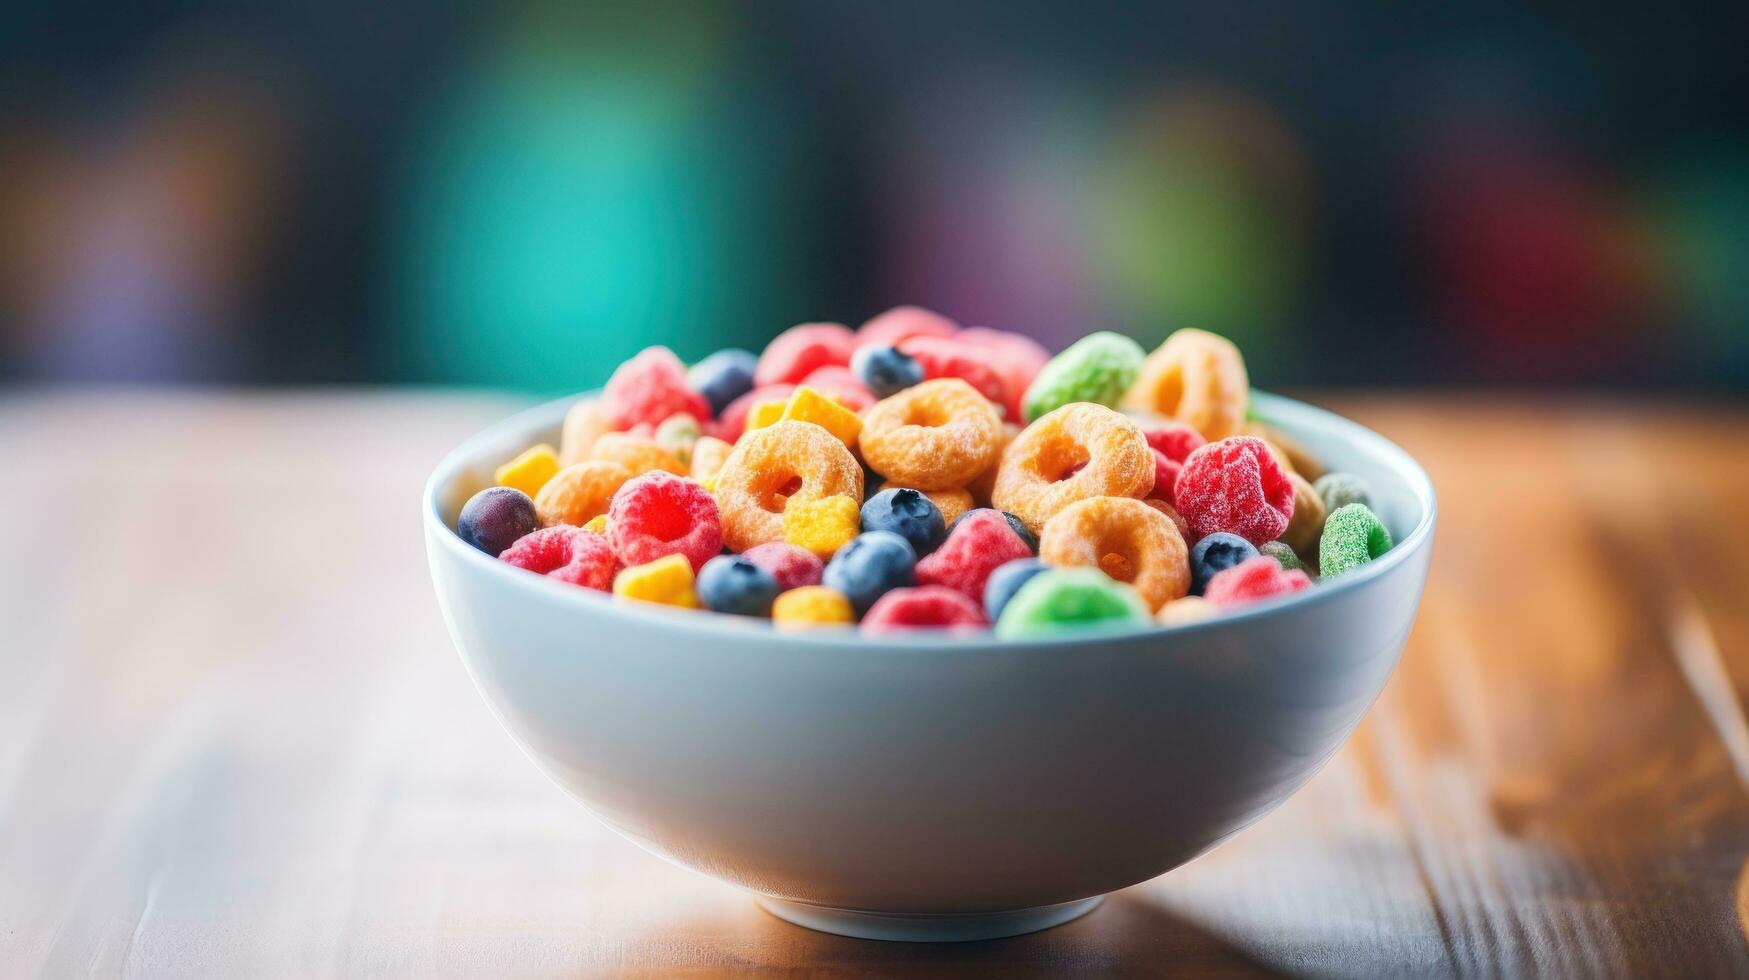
926, 927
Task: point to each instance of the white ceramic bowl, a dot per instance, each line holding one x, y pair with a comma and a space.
929, 787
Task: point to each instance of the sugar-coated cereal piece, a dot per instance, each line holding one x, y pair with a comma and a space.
764, 413
1007, 580
1016, 358
1338, 490
908, 513
1307, 523
901, 322
579, 491
732, 421
1171, 512
1196, 377
665, 581
923, 607
1098, 368
708, 455
796, 352
1249, 581
1124, 538
566, 553
1214, 554
649, 388
723, 377
821, 525
943, 357
1073, 453
886, 371
635, 452
841, 385
732, 584
1284, 555
793, 567
585, 422
596, 524
1235, 485
870, 566
1190, 609
809, 405
1297, 457
1070, 598
495, 518
936, 435
528, 471
660, 514
809, 607
984, 483
1172, 443
1352, 537
1015, 524
771, 465
676, 435
978, 543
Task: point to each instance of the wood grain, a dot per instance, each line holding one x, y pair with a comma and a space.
234, 739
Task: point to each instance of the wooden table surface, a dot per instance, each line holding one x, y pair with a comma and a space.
235, 740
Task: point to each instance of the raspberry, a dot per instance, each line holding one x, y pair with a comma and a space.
1254, 579
924, 607
901, 322
649, 388
795, 353
733, 421
659, 514
793, 567
979, 542
567, 553
842, 385
1172, 443
943, 357
1235, 485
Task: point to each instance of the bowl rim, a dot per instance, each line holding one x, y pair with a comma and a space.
440, 535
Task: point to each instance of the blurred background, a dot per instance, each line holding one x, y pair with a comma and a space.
520, 194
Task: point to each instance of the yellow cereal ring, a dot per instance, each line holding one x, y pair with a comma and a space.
1198, 378
808, 405
666, 581
1078, 451
637, 453
529, 471
768, 467
951, 503
933, 436
822, 526
708, 455
1307, 523
811, 606
584, 424
579, 492
1124, 538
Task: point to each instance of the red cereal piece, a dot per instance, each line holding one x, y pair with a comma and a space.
1253, 579
840, 384
1172, 443
944, 357
793, 567
900, 322
980, 541
648, 388
1234, 485
729, 425
660, 514
1016, 358
795, 353
923, 607
567, 553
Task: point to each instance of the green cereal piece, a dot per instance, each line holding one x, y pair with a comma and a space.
1284, 555
1338, 490
677, 434
1352, 537
1068, 598
1098, 368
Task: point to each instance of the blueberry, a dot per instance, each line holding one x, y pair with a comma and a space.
870, 566
1016, 523
495, 517
1217, 552
886, 370
1007, 580
732, 584
723, 377
907, 513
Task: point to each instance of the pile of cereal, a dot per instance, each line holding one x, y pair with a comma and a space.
914, 474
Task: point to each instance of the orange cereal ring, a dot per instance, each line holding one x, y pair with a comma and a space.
1307, 522
1078, 451
1198, 378
579, 492
1172, 512
637, 453
981, 487
708, 455
951, 503
773, 464
585, 422
1124, 538
932, 436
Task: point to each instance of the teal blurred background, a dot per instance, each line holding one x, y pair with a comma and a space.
522, 194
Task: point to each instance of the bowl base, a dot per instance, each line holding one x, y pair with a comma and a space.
926, 927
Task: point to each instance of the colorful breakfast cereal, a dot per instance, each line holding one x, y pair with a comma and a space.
1352, 537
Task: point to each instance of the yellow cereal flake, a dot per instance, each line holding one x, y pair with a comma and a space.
666, 581
810, 606
597, 524
808, 405
821, 525
529, 471
765, 413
